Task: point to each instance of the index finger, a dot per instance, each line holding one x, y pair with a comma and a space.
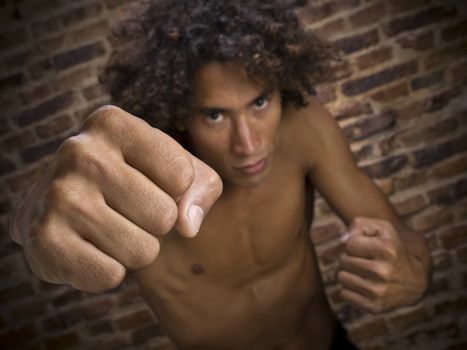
149, 150
365, 247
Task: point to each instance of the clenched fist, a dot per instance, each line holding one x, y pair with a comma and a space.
113, 190
377, 272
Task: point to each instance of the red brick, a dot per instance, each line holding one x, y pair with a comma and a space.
134, 320
97, 308
45, 109
454, 32
398, 6
77, 77
456, 305
411, 111
459, 71
35, 94
451, 167
411, 205
339, 71
357, 42
128, 297
441, 260
48, 26
434, 154
377, 327
28, 310
431, 218
383, 77
427, 80
52, 45
370, 15
386, 167
417, 41
54, 126
363, 153
420, 19
16, 337
329, 255
111, 4
391, 93
462, 254
442, 99
98, 328
322, 208
67, 298
81, 14
18, 141
438, 286
323, 233
385, 185
330, 29
364, 128
454, 236
94, 91
374, 57
22, 290
405, 320
23, 180
326, 93
64, 341
444, 56
92, 31
321, 10
428, 134
37, 9
78, 56
20, 60
460, 346
40, 152
13, 38
352, 108
143, 335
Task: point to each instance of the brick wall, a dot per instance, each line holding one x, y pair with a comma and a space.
399, 93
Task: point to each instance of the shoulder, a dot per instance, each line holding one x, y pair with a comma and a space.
311, 131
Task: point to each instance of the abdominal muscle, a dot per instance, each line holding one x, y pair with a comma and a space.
283, 308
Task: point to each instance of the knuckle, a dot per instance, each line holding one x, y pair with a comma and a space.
167, 216
383, 272
214, 184
112, 278
145, 255
71, 148
183, 174
103, 118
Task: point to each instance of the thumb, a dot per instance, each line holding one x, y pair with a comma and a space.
196, 202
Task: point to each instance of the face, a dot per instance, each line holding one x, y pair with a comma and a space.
233, 127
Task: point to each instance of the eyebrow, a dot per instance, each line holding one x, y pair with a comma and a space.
207, 110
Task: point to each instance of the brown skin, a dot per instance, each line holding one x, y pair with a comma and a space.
249, 279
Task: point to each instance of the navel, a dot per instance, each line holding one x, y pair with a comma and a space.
197, 269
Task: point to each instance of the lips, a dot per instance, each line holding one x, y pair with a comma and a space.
253, 167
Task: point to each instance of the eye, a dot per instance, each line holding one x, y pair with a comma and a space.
214, 117
261, 102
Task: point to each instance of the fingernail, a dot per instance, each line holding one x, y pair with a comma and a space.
196, 215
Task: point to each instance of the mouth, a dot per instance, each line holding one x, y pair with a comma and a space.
254, 167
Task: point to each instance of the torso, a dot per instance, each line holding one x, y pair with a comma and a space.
250, 279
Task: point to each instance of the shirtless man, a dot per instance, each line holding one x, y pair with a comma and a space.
216, 232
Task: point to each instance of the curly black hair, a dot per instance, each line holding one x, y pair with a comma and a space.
150, 72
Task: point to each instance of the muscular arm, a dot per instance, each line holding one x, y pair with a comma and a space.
350, 192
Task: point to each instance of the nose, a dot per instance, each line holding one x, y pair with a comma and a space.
245, 139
